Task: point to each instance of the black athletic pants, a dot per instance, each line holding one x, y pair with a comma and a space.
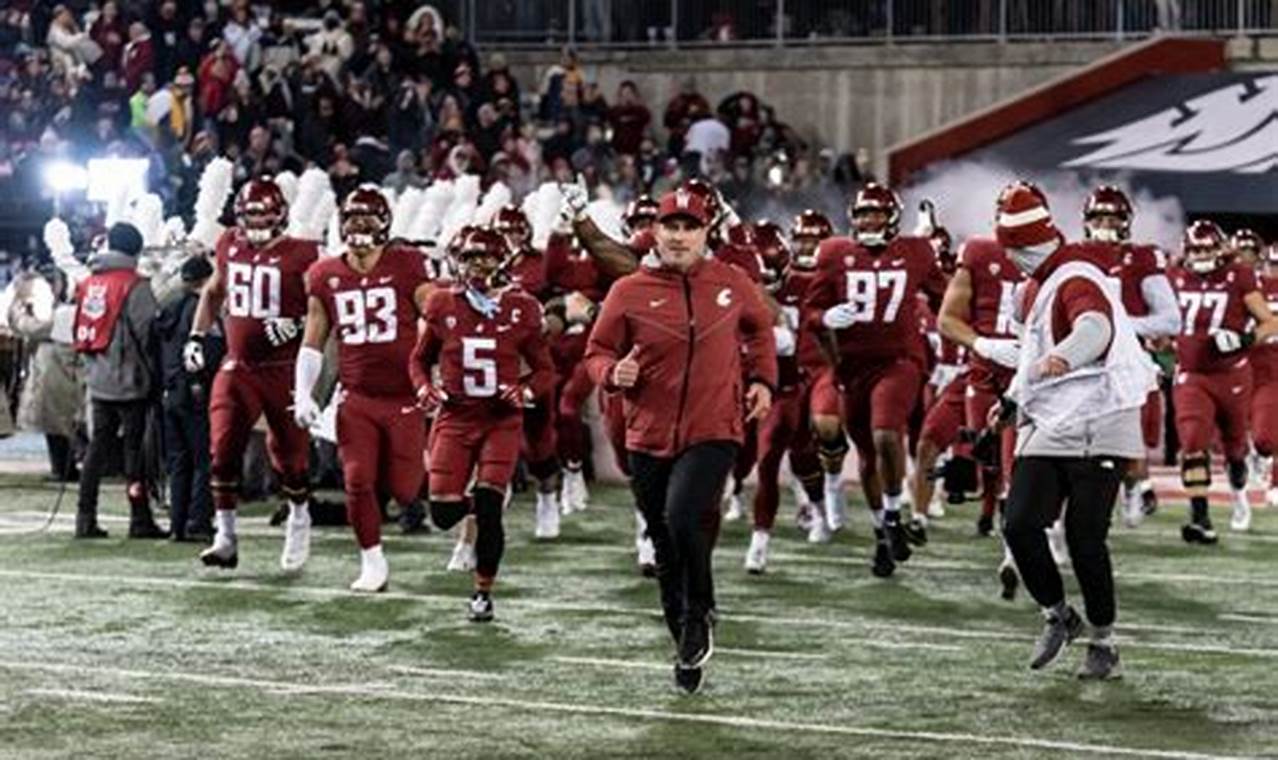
677, 497
116, 424
1040, 487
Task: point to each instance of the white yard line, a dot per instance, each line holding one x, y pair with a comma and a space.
889, 630
769, 654
92, 696
1239, 617
733, 721
603, 662
408, 670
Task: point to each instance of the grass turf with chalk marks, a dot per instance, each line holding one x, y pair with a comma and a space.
118, 648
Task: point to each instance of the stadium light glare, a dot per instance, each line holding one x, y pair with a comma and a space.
65, 177
108, 177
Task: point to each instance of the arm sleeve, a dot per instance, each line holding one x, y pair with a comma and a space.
306, 372
1089, 337
425, 353
1164, 312
607, 339
760, 342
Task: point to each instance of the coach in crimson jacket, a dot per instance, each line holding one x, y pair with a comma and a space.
677, 337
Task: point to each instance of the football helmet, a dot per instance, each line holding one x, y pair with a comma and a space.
261, 210
707, 193
875, 214
512, 224
1247, 246
774, 251
639, 215
1203, 246
479, 253
1107, 203
807, 231
365, 219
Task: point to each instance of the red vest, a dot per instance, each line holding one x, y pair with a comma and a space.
102, 298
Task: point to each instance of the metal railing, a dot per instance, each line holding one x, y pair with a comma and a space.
690, 23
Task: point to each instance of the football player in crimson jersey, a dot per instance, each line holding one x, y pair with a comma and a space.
1213, 372
1264, 360
1151, 303
259, 279
865, 296
370, 297
478, 336
1246, 247
787, 426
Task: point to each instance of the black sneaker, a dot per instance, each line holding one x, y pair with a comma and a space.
1057, 632
916, 531
480, 608
1149, 502
90, 530
147, 530
413, 520
985, 526
696, 642
883, 565
1199, 533
1100, 663
687, 680
895, 533
1010, 580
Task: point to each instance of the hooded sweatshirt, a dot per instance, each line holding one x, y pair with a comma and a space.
123, 372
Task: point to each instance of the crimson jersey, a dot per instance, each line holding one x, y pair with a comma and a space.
1136, 262
528, 272
261, 284
808, 357
883, 288
481, 357
569, 269
994, 278
1208, 303
1264, 356
375, 318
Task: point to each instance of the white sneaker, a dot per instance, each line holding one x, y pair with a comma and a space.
547, 517
224, 552
836, 507
818, 531
756, 559
1271, 498
803, 516
1133, 507
645, 555
463, 559
1240, 520
735, 510
374, 573
1056, 543
575, 495
297, 538
936, 507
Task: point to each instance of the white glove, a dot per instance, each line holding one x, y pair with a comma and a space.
305, 411
841, 316
1227, 341
1003, 351
193, 354
576, 196
786, 343
281, 330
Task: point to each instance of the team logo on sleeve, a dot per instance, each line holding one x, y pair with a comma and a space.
333, 282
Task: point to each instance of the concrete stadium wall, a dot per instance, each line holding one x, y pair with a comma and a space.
845, 97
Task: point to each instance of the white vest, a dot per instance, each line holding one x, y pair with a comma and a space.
1122, 382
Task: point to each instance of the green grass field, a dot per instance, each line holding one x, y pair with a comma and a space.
128, 649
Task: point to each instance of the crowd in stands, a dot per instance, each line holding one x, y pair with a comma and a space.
372, 91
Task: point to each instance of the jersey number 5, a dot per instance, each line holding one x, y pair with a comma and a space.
366, 316
479, 373
252, 291
863, 293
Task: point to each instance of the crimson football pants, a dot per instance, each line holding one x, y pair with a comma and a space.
1264, 417
1041, 486
786, 428
676, 496
570, 430
240, 395
1207, 402
879, 396
477, 439
380, 442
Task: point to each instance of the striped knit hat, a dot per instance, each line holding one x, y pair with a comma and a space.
1023, 219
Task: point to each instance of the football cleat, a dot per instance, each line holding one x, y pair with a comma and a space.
936, 507
1058, 630
1149, 502
836, 508
1100, 663
696, 641
575, 496
374, 572
480, 607
1008, 576
985, 526
687, 680
463, 558
803, 516
223, 553
297, 539
412, 519
916, 531
818, 529
896, 537
734, 511
756, 559
1199, 533
1133, 509
883, 565
547, 526
1240, 519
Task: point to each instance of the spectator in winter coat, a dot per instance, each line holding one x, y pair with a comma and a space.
242, 34
109, 32
138, 56
629, 119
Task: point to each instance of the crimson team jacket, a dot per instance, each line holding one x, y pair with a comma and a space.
699, 335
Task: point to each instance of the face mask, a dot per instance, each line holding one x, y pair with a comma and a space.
1202, 266
1105, 234
259, 235
1032, 257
